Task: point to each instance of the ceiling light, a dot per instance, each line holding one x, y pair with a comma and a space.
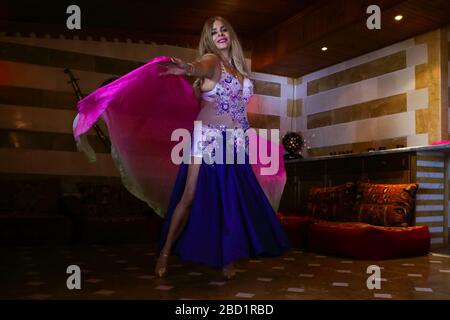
324, 48
398, 17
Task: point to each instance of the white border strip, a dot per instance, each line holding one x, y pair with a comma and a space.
421, 174
430, 219
437, 240
424, 185
430, 197
430, 208
436, 229
433, 164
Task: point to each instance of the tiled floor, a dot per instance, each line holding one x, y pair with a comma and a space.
126, 272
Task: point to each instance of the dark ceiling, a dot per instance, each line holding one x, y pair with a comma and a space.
283, 36
171, 21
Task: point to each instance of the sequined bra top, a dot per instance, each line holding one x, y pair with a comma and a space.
225, 106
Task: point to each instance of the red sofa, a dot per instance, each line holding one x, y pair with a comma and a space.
296, 227
360, 221
364, 241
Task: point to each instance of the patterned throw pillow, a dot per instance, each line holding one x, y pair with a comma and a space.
390, 205
333, 203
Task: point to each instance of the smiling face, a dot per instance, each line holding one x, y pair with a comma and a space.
220, 35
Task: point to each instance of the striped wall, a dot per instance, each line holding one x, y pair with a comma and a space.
271, 105
431, 197
448, 104
448, 69
37, 105
387, 98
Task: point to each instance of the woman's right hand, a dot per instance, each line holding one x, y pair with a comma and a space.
175, 66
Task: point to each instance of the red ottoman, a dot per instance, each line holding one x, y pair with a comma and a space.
364, 241
296, 228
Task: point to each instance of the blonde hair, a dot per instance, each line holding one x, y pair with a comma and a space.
207, 45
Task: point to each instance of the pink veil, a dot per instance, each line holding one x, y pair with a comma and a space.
141, 110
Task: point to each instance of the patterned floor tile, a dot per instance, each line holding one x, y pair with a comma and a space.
306, 275
105, 292
296, 290
264, 279
244, 295
414, 275
382, 295
339, 284
164, 287
418, 289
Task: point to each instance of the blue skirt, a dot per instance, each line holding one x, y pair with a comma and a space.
230, 219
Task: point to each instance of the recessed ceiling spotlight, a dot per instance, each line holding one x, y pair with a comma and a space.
324, 48
398, 17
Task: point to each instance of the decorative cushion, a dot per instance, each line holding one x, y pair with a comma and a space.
386, 204
333, 203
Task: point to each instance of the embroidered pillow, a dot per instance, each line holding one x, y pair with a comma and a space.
333, 203
386, 204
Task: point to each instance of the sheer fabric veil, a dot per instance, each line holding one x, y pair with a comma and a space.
141, 110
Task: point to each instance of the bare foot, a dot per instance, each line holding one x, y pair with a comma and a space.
161, 264
229, 271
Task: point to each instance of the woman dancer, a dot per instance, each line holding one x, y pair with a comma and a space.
214, 213
218, 213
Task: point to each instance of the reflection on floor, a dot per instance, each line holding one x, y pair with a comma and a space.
126, 272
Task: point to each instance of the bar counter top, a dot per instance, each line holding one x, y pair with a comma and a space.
429, 148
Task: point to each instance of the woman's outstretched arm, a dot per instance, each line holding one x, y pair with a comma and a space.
205, 67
